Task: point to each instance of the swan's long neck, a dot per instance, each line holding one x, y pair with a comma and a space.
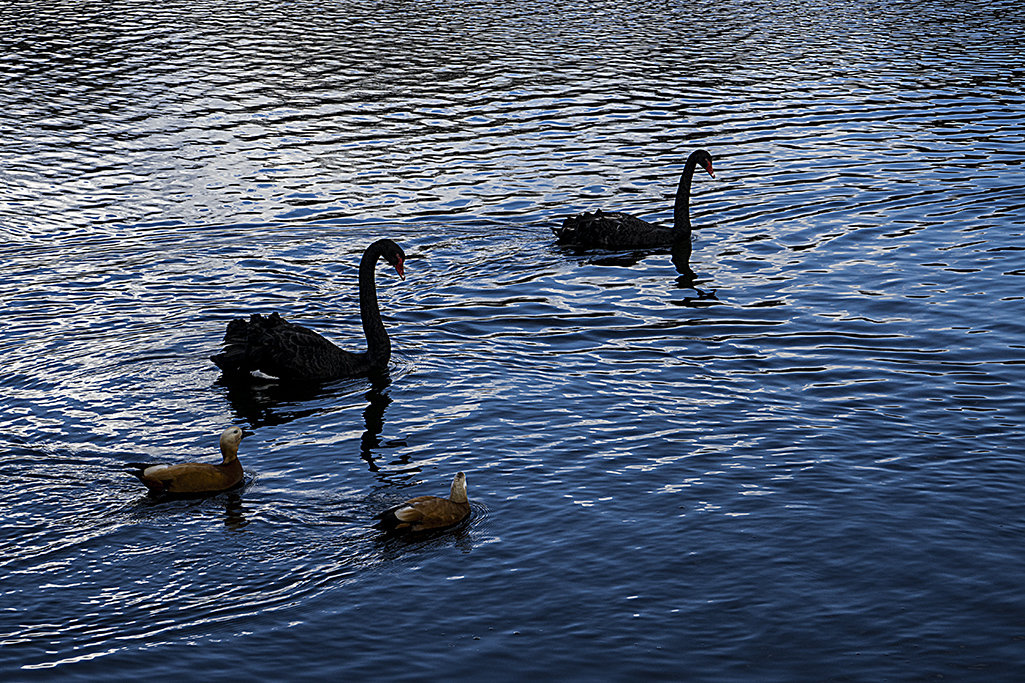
378, 344
681, 212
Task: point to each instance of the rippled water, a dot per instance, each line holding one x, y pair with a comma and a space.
799, 458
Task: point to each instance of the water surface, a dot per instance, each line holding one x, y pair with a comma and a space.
797, 457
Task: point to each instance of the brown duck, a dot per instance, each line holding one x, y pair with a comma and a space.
195, 477
428, 512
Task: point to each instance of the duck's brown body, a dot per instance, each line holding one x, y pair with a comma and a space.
195, 477
428, 512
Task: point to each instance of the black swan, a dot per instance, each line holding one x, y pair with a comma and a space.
428, 512
615, 230
295, 354
195, 477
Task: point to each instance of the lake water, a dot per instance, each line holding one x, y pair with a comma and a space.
800, 458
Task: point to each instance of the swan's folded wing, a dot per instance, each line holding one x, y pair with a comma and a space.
293, 352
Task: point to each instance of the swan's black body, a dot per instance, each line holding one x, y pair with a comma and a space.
293, 353
615, 230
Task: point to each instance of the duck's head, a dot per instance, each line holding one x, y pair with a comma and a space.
230, 439
458, 494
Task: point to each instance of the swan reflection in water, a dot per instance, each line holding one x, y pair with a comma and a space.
680, 253
272, 404
373, 419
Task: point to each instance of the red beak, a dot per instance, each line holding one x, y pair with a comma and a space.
399, 270
708, 167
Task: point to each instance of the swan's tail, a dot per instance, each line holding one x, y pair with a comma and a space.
242, 347
573, 227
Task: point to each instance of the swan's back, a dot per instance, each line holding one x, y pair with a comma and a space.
611, 230
290, 352
614, 230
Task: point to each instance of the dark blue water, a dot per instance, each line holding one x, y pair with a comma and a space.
797, 457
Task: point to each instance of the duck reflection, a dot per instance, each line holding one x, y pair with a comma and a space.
234, 512
234, 509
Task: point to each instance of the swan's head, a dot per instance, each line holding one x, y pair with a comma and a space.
230, 439
396, 258
705, 159
458, 493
